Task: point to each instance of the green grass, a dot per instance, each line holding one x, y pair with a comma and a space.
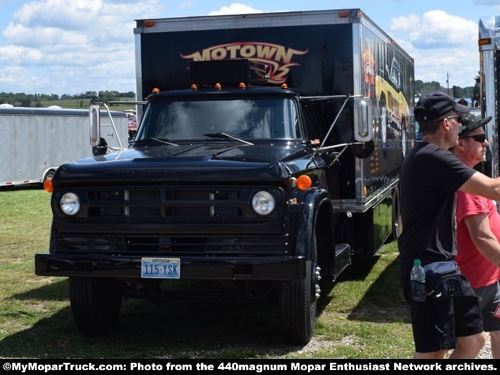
362, 315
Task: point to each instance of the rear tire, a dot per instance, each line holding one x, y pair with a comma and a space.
95, 304
298, 304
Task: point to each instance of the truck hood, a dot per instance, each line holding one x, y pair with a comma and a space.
194, 161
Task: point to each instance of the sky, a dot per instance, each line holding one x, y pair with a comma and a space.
74, 46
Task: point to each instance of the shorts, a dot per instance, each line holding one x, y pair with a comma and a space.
489, 299
437, 323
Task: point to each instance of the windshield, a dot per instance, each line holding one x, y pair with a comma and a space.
256, 118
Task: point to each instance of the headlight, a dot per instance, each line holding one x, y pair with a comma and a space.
70, 203
263, 203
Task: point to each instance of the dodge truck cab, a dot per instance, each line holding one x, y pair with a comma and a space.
227, 181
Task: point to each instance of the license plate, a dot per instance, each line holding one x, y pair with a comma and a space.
161, 268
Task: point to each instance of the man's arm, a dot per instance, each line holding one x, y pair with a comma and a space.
482, 236
482, 185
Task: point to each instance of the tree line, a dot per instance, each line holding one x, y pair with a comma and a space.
457, 92
35, 100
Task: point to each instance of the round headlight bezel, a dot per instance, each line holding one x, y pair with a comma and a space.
70, 204
263, 203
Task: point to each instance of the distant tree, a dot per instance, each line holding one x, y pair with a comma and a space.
419, 85
458, 92
476, 93
432, 85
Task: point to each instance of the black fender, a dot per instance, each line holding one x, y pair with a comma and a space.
304, 226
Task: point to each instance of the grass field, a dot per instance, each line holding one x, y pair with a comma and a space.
362, 315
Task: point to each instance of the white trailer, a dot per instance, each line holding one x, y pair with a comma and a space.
35, 141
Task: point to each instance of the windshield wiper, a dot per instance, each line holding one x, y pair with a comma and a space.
226, 136
165, 141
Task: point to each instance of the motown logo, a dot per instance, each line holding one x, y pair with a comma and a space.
277, 58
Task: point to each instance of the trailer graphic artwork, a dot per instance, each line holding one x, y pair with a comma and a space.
391, 80
276, 58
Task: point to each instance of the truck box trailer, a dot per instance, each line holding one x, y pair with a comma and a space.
266, 158
37, 140
489, 85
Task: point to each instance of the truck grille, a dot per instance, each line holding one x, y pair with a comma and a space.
187, 220
166, 203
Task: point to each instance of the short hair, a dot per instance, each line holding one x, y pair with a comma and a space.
432, 126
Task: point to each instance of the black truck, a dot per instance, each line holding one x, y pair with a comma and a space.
263, 159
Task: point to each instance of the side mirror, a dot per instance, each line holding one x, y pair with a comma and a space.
363, 150
94, 125
101, 148
363, 125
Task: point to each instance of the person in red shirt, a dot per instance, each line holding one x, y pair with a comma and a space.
478, 232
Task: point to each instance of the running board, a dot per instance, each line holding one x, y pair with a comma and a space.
342, 259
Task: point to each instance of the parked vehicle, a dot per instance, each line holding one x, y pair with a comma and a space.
37, 140
257, 163
489, 65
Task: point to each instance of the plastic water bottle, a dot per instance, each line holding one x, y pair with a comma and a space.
417, 278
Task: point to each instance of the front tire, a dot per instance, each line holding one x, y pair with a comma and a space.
95, 304
298, 304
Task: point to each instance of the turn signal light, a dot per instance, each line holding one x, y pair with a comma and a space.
304, 182
47, 185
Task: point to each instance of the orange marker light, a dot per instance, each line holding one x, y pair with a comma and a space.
484, 42
304, 182
47, 186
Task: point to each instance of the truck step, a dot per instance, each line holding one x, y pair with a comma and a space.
342, 259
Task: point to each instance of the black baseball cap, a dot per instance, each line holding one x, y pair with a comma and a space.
436, 105
471, 122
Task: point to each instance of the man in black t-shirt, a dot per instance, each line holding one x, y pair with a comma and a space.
429, 178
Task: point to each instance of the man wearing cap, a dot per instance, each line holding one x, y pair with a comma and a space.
449, 318
478, 232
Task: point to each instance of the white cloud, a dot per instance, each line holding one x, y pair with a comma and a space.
14, 76
17, 55
435, 28
235, 8
437, 40
87, 42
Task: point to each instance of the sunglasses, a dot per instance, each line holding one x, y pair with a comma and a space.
478, 137
459, 118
